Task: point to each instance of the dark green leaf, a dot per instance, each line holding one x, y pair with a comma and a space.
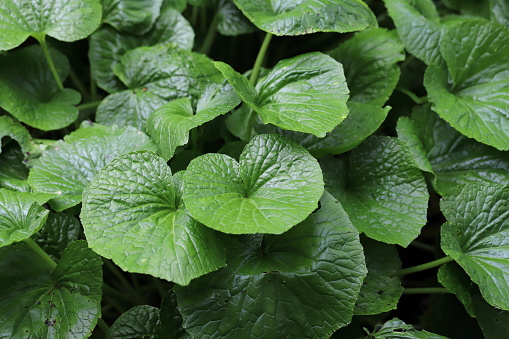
107, 45
154, 76
231, 21
275, 185
171, 320
476, 236
307, 93
381, 189
300, 284
61, 19
472, 93
139, 322
296, 17
133, 214
132, 16
14, 130
453, 158
13, 171
60, 230
39, 302
29, 92
397, 329
67, 168
381, 288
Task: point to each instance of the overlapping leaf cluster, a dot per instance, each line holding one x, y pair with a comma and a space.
286, 221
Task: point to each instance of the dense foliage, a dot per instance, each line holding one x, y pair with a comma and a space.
305, 184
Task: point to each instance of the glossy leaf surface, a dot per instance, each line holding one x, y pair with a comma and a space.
302, 283
59, 230
133, 16
41, 302
275, 185
133, 214
139, 322
381, 189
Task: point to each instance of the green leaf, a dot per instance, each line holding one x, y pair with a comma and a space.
135, 201
154, 76
453, 158
419, 27
470, 7
39, 302
60, 230
307, 93
132, 16
61, 19
14, 130
381, 189
472, 94
171, 320
493, 322
170, 124
370, 61
13, 172
29, 92
500, 11
139, 322
231, 21
296, 17
381, 288
300, 284
107, 45
68, 166
397, 329
476, 236
275, 185
20, 215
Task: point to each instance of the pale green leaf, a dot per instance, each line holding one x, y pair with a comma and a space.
231, 21
132, 16
275, 185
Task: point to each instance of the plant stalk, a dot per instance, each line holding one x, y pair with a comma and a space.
45, 51
423, 267
426, 290
102, 325
37, 249
259, 59
209, 38
88, 105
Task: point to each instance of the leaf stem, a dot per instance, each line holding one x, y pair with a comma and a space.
423, 267
37, 249
88, 105
259, 59
45, 51
209, 38
103, 326
425, 290
423, 246
417, 100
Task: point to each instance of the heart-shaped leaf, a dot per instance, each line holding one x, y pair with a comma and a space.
170, 124
68, 166
296, 17
61, 19
300, 284
42, 301
453, 158
381, 189
476, 236
472, 94
21, 215
107, 45
133, 214
307, 93
275, 185
29, 92
154, 76
132, 16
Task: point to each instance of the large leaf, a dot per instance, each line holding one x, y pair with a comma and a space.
476, 236
171, 320
453, 158
67, 168
296, 17
29, 92
154, 76
275, 185
472, 94
500, 11
397, 329
170, 124
135, 201
61, 19
21, 215
301, 284
307, 93
13, 171
139, 322
133, 16
108, 45
418, 26
231, 21
60, 230
381, 288
381, 189
42, 301
493, 322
